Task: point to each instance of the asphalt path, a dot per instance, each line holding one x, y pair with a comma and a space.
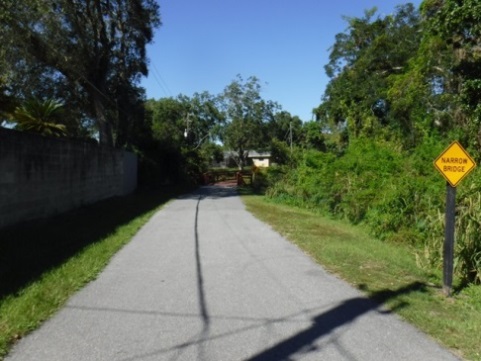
204, 280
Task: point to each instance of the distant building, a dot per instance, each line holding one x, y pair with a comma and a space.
260, 159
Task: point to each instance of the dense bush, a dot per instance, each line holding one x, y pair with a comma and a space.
398, 195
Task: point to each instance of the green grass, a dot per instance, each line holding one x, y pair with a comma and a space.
43, 263
386, 272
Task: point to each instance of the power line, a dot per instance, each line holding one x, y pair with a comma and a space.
162, 83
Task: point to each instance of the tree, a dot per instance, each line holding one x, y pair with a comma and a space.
185, 129
455, 28
362, 63
284, 127
246, 115
97, 47
314, 137
184, 121
168, 123
203, 118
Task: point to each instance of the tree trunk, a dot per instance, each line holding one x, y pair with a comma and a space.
104, 126
242, 156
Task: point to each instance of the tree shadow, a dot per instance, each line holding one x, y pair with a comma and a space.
327, 322
30, 249
303, 342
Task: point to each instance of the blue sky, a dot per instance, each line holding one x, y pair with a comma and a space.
203, 45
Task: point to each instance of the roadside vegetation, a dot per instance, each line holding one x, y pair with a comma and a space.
398, 197
402, 88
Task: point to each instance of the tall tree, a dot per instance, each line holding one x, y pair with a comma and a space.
246, 115
203, 118
97, 46
168, 121
284, 127
456, 25
186, 121
362, 62
185, 129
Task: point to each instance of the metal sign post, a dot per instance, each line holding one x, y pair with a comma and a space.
454, 164
448, 251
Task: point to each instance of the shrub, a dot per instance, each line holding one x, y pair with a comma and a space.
398, 195
468, 230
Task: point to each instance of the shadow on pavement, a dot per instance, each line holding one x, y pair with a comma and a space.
327, 322
29, 249
302, 342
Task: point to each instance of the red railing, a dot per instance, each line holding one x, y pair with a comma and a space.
238, 177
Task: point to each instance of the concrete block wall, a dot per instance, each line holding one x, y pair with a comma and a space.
42, 176
129, 172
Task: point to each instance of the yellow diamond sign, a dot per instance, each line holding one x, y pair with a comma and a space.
454, 163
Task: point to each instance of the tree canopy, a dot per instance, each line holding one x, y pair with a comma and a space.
407, 75
363, 61
246, 115
89, 53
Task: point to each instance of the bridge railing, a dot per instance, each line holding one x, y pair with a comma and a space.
240, 177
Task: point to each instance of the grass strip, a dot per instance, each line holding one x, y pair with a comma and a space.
378, 269
43, 263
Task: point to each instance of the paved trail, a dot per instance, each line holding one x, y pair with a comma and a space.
204, 280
